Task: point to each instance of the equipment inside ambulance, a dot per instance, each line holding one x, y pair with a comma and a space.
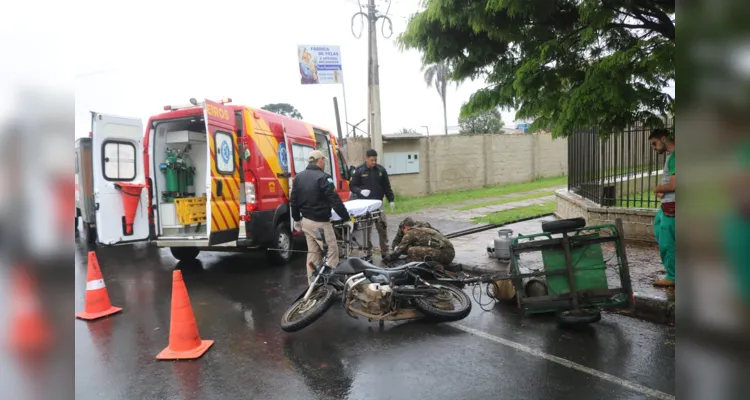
205, 176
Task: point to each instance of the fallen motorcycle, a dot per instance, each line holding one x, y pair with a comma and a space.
411, 291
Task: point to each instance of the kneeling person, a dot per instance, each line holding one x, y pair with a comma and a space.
410, 223
423, 244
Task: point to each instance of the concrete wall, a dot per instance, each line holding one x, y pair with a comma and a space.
638, 223
456, 162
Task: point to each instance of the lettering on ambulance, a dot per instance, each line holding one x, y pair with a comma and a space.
268, 146
224, 208
216, 112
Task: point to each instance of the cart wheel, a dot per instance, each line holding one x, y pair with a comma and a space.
563, 225
578, 317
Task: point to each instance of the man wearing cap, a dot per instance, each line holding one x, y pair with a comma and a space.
371, 182
312, 198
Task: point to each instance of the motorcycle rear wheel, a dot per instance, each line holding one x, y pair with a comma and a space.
429, 305
304, 312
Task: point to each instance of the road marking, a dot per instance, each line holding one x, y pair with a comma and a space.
567, 363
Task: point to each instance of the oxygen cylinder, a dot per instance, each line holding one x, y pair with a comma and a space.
172, 179
171, 172
180, 168
182, 174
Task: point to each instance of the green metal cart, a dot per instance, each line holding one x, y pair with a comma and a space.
574, 270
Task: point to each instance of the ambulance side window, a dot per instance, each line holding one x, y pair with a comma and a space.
300, 153
119, 161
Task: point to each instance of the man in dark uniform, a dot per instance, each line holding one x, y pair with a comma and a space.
408, 221
312, 198
370, 182
423, 244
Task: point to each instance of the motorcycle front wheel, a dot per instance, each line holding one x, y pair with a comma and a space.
451, 304
304, 312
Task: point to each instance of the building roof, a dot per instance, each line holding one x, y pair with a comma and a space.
403, 136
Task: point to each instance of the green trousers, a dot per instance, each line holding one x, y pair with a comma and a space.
736, 244
664, 232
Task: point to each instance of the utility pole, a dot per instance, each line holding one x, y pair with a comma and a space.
373, 81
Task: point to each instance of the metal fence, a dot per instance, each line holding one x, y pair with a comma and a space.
617, 171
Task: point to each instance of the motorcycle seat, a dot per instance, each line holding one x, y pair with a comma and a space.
391, 274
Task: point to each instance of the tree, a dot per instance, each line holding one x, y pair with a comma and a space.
283, 109
484, 122
563, 63
438, 75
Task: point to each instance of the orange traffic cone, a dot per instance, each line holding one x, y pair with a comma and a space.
184, 341
97, 298
131, 196
29, 331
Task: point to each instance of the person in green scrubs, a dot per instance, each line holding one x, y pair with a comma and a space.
737, 223
662, 141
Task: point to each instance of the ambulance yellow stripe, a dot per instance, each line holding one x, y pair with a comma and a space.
231, 191
268, 146
312, 133
224, 208
218, 220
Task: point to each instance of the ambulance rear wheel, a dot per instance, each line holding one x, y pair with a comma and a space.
280, 252
184, 253
89, 233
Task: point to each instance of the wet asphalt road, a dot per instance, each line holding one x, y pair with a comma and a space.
238, 301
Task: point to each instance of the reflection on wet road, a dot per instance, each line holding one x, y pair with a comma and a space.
238, 300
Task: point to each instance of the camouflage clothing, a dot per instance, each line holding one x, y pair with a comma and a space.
411, 223
424, 244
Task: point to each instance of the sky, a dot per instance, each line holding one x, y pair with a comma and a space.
140, 56
133, 58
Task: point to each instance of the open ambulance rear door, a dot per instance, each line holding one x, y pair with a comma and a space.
120, 193
223, 179
298, 150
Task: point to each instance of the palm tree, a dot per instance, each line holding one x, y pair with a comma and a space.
437, 74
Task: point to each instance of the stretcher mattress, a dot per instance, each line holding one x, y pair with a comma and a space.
358, 208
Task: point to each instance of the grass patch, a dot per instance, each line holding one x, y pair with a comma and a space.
504, 201
503, 217
406, 204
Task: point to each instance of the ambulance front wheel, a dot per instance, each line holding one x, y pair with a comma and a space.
281, 250
184, 253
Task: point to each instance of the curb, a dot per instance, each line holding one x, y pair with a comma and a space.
646, 307
486, 227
